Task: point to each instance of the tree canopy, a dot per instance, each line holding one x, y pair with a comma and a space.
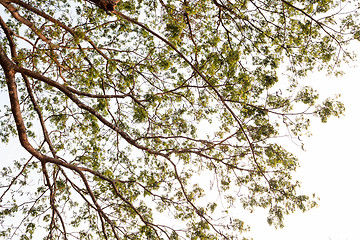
156, 119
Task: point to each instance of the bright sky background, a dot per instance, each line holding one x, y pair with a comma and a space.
330, 168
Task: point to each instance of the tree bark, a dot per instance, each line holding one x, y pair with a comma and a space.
107, 5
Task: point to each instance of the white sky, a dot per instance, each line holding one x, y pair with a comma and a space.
330, 168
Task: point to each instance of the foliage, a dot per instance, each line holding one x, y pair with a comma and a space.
159, 119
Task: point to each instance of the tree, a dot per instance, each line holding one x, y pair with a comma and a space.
155, 119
